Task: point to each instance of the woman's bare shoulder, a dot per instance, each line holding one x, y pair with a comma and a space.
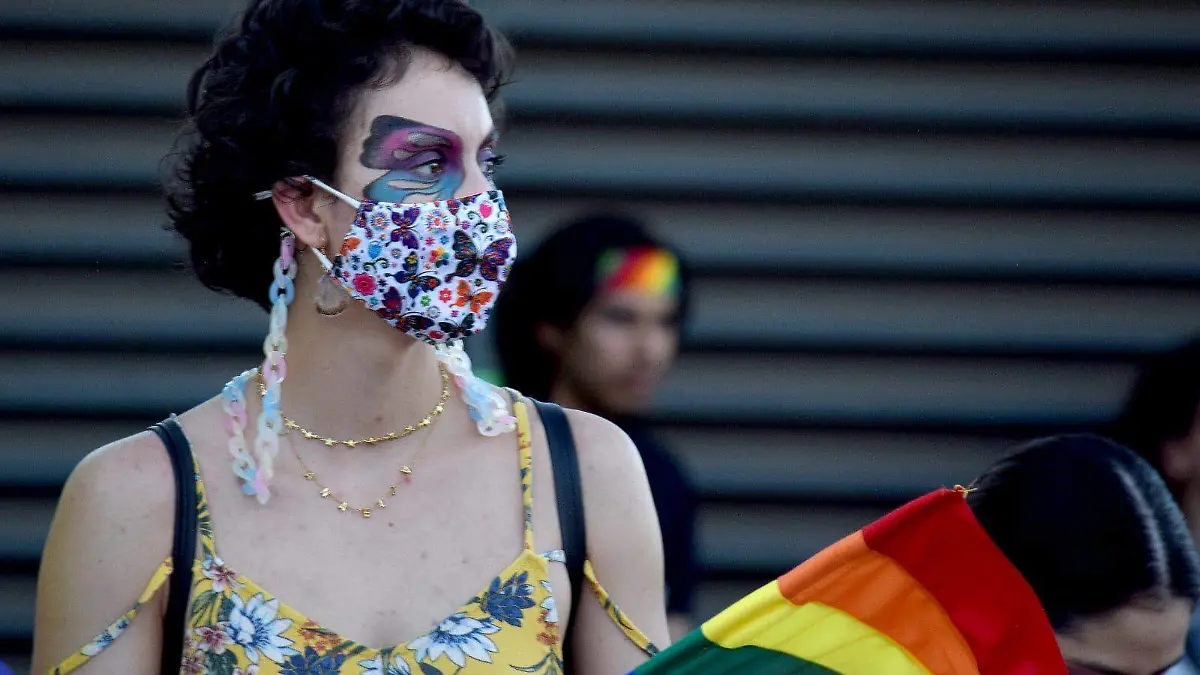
606, 455
111, 531
623, 542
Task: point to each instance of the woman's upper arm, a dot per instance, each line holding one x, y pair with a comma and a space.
624, 546
111, 532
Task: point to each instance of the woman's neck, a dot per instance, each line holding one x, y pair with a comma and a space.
353, 375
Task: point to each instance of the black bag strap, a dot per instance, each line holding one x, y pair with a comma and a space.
183, 550
569, 491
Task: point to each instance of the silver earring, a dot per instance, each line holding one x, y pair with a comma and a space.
330, 298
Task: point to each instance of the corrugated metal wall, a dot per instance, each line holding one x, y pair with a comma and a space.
921, 230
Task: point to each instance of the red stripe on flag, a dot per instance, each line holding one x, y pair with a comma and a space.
939, 542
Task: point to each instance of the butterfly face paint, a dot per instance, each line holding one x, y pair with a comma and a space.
419, 159
432, 270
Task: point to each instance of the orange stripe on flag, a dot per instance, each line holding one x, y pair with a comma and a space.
874, 589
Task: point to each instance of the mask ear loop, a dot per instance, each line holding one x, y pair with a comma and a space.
270, 194
335, 192
321, 257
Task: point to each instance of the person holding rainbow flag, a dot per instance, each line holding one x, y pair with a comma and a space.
1068, 557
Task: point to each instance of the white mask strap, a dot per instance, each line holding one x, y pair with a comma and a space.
268, 194
335, 192
323, 260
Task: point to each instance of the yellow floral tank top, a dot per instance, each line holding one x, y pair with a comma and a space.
236, 627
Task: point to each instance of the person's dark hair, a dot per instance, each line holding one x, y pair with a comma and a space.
553, 285
1162, 404
1089, 524
270, 102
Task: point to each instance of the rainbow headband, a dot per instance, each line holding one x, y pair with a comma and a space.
648, 270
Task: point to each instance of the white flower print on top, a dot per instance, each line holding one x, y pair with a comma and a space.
458, 637
221, 576
213, 639
253, 625
106, 638
548, 604
398, 666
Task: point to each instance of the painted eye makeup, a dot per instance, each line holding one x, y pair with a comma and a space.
419, 160
489, 162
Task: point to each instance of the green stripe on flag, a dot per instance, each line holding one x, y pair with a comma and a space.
696, 655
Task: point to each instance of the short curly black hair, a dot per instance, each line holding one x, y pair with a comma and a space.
270, 102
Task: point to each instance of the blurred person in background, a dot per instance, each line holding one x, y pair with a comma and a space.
1161, 422
592, 320
1095, 533
339, 172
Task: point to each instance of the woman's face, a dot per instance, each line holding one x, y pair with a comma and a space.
427, 137
618, 351
1138, 639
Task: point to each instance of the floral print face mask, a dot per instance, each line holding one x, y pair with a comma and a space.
432, 270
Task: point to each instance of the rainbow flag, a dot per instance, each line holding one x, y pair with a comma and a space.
922, 591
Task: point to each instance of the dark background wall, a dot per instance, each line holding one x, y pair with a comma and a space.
922, 230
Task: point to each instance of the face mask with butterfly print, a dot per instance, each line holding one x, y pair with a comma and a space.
432, 270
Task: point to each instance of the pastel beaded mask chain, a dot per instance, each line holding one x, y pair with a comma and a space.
257, 470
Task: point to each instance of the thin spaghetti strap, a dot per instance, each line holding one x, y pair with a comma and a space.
204, 517
525, 453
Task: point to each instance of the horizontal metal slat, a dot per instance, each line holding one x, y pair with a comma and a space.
875, 26
17, 595
758, 312
152, 77
885, 391
839, 465
98, 384
718, 238
88, 230
172, 310
635, 160
106, 308
757, 539
24, 524
855, 91
42, 453
771, 388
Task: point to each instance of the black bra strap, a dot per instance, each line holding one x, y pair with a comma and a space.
183, 550
569, 492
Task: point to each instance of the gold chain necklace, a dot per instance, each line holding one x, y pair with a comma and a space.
390, 436
406, 474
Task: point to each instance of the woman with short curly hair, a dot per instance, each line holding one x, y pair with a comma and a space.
361, 502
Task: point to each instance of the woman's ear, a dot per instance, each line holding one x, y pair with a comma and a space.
550, 338
1179, 461
297, 210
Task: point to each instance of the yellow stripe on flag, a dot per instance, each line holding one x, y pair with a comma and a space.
813, 631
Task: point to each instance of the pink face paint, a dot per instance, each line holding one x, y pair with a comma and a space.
419, 159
